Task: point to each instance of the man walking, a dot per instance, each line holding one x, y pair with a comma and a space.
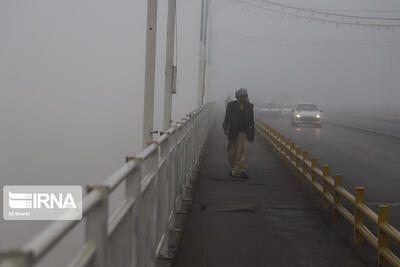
239, 127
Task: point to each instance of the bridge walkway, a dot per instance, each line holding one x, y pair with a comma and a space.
266, 220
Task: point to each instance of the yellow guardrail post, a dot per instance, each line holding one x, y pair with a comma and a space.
287, 152
287, 141
272, 133
314, 177
305, 167
298, 152
383, 238
279, 143
292, 146
283, 144
284, 150
325, 185
266, 132
336, 195
358, 216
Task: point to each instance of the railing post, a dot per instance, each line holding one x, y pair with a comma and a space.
282, 144
383, 238
273, 137
298, 162
298, 152
270, 135
278, 143
358, 216
284, 149
305, 167
287, 149
282, 141
336, 195
276, 135
96, 226
325, 185
314, 178
292, 149
264, 131
133, 190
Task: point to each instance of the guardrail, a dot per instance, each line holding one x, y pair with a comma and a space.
138, 231
333, 193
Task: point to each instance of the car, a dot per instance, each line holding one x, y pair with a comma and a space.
272, 110
306, 113
286, 111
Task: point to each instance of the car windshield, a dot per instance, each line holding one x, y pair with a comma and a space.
307, 107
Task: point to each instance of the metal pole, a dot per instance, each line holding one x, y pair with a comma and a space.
151, 39
201, 56
205, 30
209, 55
169, 68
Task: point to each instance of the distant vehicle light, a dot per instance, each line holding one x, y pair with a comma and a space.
318, 116
298, 116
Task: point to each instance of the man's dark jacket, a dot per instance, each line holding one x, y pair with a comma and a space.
231, 122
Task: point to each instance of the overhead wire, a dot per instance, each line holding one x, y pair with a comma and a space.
308, 44
323, 20
329, 13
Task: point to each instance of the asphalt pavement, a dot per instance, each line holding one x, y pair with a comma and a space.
362, 157
388, 128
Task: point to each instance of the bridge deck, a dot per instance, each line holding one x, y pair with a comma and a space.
266, 220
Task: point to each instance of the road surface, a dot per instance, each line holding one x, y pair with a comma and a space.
363, 158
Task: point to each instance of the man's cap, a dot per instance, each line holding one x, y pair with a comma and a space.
241, 92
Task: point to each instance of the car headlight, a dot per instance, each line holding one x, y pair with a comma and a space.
318, 116
298, 116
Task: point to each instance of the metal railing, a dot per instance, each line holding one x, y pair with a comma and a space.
332, 193
138, 231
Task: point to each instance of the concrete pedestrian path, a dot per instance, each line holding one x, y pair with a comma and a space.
266, 220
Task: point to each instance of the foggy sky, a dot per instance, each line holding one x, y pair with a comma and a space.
71, 90
72, 76
283, 59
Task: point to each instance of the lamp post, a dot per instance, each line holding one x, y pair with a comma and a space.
170, 70
151, 41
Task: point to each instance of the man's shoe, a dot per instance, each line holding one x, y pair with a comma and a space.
244, 175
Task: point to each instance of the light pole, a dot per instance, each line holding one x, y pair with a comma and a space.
202, 59
170, 70
151, 40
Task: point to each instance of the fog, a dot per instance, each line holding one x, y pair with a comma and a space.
72, 77
71, 90
283, 59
